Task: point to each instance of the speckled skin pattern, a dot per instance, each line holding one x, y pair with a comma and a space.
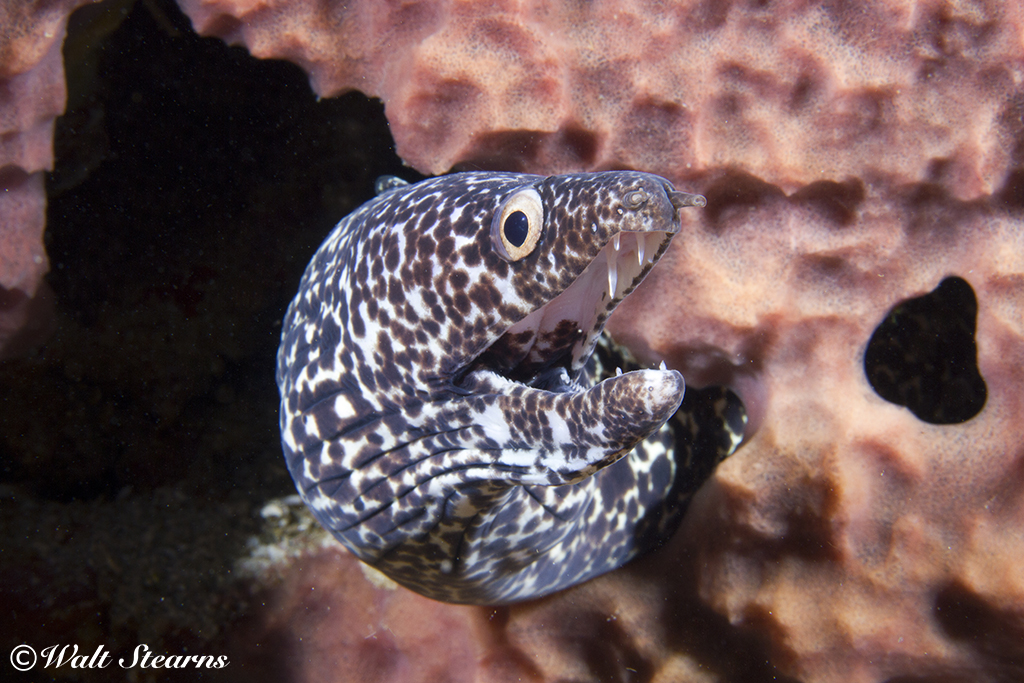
442, 411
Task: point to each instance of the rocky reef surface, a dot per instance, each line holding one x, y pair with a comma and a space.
857, 277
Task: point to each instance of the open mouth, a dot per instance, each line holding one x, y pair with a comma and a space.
549, 347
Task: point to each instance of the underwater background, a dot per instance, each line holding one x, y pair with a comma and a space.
140, 441
870, 529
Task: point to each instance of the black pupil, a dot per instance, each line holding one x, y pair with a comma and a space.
517, 227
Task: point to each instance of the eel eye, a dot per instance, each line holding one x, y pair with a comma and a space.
517, 225
516, 228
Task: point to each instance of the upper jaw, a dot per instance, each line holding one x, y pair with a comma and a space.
549, 347
553, 343
620, 266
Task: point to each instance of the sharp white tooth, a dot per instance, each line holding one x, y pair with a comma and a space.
616, 240
640, 244
618, 372
613, 278
662, 366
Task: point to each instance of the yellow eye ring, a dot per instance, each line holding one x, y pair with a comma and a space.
517, 225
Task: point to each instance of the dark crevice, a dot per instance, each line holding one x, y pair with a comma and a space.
737, 190
837, 201
1011, 195
996, 635
192, 185
923, 355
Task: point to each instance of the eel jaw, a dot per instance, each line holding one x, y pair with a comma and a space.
549, 347
620, 266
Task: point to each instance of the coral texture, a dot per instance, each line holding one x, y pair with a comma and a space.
858, 542
32, 95
854, 155
791, 92
319, 606
864, 542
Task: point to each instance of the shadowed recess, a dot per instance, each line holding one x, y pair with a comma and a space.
737, 190
837, 201
1011, 195
998, 633
923, 355
521, 151
192, 184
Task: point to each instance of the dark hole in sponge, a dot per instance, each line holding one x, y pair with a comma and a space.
923, 355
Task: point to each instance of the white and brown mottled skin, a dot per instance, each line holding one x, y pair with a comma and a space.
439, 411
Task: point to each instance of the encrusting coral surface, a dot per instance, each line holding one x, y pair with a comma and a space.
854, 156
790, 92
32, 95
863, 169
864, 542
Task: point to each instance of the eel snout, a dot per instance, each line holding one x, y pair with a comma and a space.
681, 200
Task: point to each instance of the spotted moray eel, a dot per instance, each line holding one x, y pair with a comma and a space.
443, 411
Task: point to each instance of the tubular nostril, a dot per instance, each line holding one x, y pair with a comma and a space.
683, 199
